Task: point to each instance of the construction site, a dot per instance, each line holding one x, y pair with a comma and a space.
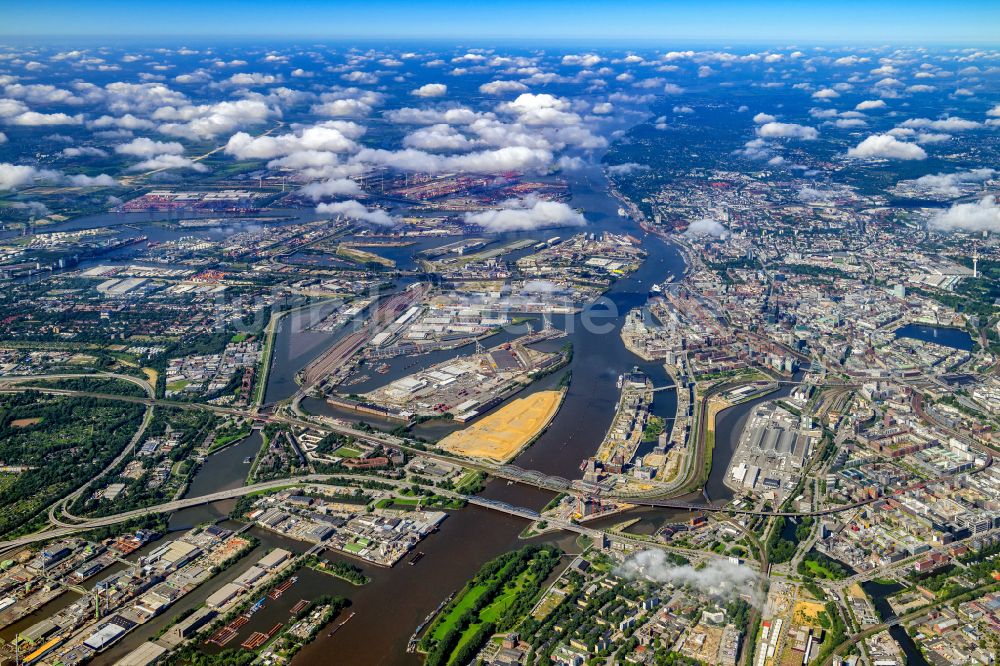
500, 436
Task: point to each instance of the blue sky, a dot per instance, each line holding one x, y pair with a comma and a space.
846, 21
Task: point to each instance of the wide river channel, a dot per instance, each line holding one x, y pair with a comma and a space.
387, 609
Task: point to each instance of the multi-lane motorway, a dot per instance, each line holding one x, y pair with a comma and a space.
508, 472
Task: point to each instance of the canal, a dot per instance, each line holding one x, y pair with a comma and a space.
880, 593
296, 343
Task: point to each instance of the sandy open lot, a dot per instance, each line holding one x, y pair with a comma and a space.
499, 436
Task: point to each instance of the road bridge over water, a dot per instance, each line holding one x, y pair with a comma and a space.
509, 472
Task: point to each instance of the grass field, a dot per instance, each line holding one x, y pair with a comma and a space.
467, 600
493, 611
496, 609
456, 612
389, 502
6, 481
355, 547
549, 604
222, 442
818, 569
347, 452
469, 481
494, 601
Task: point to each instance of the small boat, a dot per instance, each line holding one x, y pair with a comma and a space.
248, 460
335, 629
621, 380
655, 289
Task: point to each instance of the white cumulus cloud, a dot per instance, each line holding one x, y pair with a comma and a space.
342, 108
869, 104
356, 210
773, 130
14, 176
510, 158
718, 578
143, 147
950, 124
585, 60
206, 121
334, 187
501, 87
36, 119
81, 180
526, 214
947, 184
332, 136
165, 162
431, 90
983, 215
886, 146
707, 227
